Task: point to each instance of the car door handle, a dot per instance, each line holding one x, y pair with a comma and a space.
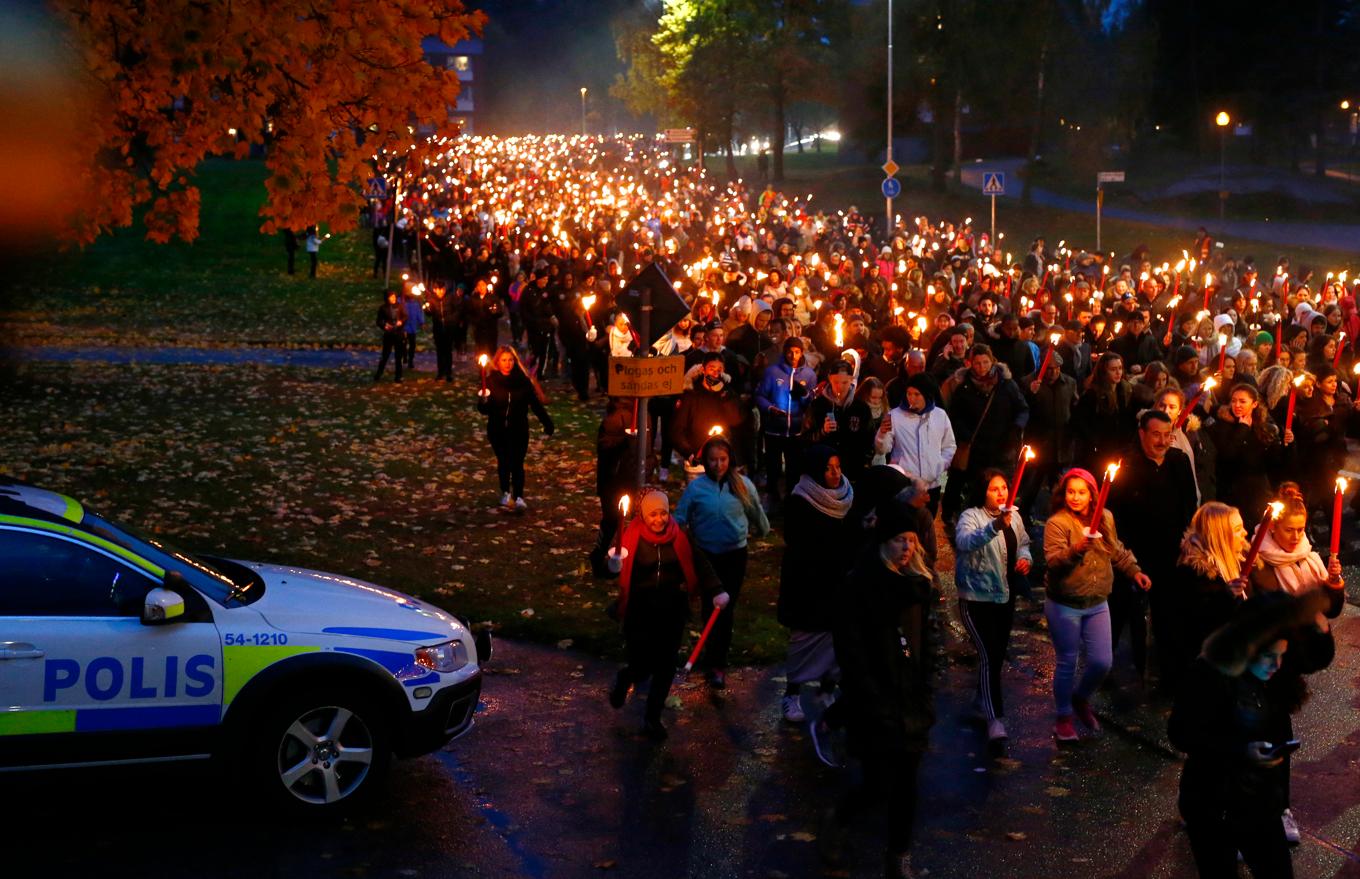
19, 650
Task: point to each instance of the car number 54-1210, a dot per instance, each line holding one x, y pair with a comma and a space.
256, 639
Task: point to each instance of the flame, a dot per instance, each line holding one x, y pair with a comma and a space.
623, 505
483, 361
922, 322
1210, 384
1054, 338
589, 303
715, 430
1276, 508
1112, 470
1341, 484
1029, 453
1303, 377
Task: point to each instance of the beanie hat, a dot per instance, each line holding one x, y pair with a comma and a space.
894, 518
653, 499
1184, 353
1083, 475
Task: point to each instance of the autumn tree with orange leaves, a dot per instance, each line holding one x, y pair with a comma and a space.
324, 84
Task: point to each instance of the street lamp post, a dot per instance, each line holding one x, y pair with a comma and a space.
888, 223
1222, 120
583, 111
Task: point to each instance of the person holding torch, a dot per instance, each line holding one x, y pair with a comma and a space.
1080, 577
659, 575
510, 393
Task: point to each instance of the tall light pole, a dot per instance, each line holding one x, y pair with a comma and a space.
583, 111
888, 219
1222, 120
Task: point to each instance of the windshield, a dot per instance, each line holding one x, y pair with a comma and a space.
228, 583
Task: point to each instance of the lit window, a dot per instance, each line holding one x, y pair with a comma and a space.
461, 63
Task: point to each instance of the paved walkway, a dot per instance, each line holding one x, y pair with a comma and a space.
1332, 236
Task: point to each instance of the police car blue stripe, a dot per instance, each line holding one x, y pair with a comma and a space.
158, 717
391, 634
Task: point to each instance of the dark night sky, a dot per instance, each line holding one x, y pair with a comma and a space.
538, 55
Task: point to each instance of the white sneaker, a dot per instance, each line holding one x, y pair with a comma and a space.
505, 499
996, 730
1291, 827
520, 505
793, 709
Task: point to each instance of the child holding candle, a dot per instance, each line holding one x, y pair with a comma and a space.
659, 576
993, 548
1080, 576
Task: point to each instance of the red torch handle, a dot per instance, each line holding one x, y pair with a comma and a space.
699, 645
1336, 523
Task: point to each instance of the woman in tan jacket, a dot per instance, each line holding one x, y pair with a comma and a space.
1080, 575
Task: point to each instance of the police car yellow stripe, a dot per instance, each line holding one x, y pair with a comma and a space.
28, 723
92, 539
242, 662
74, 512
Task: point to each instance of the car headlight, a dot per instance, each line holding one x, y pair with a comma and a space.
446, 657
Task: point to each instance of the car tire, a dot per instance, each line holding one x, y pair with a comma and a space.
325, 753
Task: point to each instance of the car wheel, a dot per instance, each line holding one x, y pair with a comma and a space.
324, 753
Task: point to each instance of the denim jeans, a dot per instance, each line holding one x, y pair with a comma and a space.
1071, 629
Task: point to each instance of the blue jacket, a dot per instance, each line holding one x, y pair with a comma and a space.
715, 515
781, 409
980, 562
415, 314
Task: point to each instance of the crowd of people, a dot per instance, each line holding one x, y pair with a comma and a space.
1146, 448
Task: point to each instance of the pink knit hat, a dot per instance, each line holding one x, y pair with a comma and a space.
1083, 475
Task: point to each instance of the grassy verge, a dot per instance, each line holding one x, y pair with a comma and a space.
228, 287
391, 483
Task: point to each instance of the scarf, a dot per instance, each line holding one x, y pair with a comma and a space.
636, 531
833, 502
1297, 572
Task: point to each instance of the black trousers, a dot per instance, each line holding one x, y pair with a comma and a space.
484, 337
411, 350
311, 255
443, 351
1128, 607
460, 333
662, 412
580, 372
731, 570
890, 779
538, 350
511, 446
782, 455
989, 625
652, 637
393, 343
609, 524
292, 258
1215, 841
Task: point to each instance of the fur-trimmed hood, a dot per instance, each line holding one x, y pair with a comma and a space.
1261, 621
1000, 372
1195, 557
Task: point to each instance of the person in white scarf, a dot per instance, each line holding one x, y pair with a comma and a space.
818, 546
1287, 562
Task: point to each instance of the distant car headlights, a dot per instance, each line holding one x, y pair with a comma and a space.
447, 657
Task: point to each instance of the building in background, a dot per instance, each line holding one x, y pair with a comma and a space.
465, 58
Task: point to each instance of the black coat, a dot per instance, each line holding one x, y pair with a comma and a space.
1214, 718
507, 406
699, 410
995, 436
880, 636
1242, 465
1153, 505
391, 317
818, 550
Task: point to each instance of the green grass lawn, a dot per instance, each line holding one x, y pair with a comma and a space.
228, 287
324, 469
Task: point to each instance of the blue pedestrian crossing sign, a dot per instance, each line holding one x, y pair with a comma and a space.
892, 187
993, 182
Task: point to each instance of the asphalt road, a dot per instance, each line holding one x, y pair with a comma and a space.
554, 783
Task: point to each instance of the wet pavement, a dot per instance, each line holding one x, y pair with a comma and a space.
554, 783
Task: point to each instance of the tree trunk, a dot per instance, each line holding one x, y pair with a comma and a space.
939, 143
797, 135
1036, 127
1320, 61
958, 135
777, 141
731, 160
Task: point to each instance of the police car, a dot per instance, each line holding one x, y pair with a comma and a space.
119, 648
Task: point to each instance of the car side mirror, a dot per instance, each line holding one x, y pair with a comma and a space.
164, 604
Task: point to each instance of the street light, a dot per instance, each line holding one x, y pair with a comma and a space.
1345, 105
583, 111
1222, 120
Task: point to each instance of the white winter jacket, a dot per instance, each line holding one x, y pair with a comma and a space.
921, 443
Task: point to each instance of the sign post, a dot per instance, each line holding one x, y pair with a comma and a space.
993, 184
1103, 177
889, 164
